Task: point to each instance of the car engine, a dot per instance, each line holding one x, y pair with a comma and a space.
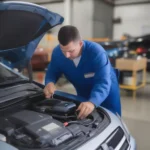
47, 124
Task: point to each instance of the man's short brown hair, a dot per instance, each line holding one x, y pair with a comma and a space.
67, 34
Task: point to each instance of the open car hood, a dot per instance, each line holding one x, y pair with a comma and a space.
22, 26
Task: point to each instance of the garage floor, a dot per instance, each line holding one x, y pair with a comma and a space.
136, 114
137, 117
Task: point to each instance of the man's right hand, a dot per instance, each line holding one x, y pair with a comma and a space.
49, 90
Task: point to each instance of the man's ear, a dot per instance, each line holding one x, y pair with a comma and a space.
81, 43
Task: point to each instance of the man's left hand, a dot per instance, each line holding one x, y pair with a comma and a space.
85, 109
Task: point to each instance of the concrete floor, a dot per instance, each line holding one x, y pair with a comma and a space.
136, 113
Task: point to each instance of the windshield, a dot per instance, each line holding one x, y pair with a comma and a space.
6, 74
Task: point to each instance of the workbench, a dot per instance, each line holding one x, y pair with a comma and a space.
133, 65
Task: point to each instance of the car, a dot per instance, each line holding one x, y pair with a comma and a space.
141, 46
28, 120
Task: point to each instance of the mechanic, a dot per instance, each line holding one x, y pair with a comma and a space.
86, 65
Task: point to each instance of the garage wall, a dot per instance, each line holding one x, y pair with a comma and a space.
57, 8
102, 19
82, 15
135, 20
78, 18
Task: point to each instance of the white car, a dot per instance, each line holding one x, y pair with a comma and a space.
28, 120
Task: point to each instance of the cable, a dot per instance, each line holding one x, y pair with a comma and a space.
62, 117
94, 118
83, 122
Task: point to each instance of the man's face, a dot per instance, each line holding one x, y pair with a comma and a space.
72, 49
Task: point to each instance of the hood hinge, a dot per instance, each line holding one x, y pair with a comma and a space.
29, 68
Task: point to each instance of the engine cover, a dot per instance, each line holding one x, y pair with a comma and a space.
40, 127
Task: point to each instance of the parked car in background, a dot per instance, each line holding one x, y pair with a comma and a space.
141, 46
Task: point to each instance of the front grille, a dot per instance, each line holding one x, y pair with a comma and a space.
116, 138
125, 145
114, 141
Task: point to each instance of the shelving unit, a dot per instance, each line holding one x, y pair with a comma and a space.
134, 66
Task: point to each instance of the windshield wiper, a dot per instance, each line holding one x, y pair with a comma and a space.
28, 91
12, 81
2, 79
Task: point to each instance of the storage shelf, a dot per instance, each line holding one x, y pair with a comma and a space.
131, 64
131, 87
134, 66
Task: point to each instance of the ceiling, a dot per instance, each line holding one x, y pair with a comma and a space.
38, 1
113, 2
128, 2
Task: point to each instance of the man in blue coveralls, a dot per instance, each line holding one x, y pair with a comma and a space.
86, 65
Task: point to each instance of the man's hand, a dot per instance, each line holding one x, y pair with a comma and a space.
85, 109
49, 90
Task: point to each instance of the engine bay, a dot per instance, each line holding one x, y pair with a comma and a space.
48, 123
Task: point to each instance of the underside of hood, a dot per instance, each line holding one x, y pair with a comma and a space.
22, 25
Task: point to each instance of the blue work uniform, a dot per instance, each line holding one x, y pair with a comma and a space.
94, 78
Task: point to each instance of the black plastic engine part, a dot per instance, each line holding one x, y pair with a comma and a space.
66, 111
26, 117
55, 106
40, 130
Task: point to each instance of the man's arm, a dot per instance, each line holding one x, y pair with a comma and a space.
102, 79
53, 72
101, 87
52, 75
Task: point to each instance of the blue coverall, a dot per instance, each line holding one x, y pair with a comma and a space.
93, 78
